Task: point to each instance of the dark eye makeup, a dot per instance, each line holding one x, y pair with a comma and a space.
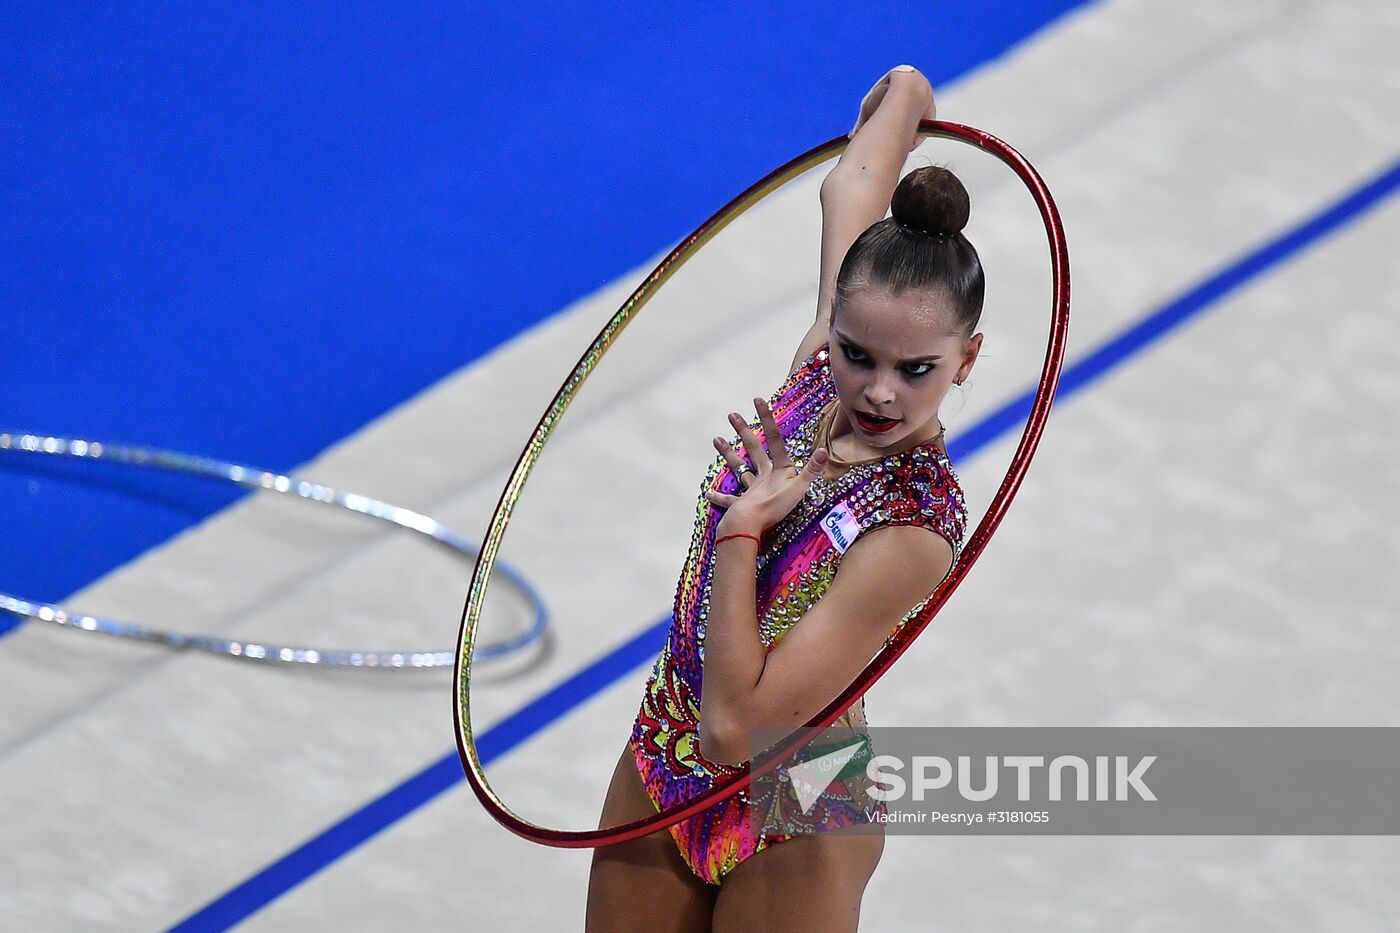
849, 351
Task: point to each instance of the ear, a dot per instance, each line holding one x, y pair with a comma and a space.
974, 346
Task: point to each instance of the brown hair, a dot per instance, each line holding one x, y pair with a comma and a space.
921, 246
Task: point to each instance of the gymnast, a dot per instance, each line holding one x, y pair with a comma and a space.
826, 501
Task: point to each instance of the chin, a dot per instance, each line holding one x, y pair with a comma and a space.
889, 439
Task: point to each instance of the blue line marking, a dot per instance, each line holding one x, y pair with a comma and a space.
445, 773
1013, 415
398, 802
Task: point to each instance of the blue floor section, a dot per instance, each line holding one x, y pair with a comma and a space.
246, 231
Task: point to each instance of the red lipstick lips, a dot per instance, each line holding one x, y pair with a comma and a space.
871, 424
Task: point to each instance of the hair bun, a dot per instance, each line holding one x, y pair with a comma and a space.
931, 199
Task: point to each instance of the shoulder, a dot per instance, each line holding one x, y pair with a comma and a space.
918, 489
884, 576
900, 551
815, 339
810, 364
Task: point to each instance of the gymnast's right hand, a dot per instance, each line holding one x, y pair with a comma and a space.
771, 491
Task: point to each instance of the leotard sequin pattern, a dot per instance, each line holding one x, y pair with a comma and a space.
796, 564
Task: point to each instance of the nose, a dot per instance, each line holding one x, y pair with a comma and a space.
879, 394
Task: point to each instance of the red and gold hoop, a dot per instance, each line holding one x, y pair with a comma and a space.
903, 638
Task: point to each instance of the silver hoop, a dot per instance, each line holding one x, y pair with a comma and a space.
253, 478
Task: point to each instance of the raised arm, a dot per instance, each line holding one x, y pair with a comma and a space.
856, 193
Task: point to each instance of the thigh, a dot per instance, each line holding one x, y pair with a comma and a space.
642, 884
805, 882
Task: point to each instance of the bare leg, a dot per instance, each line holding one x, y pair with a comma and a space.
807, 883
642, 885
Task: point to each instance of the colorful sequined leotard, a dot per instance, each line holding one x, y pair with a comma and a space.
794, 568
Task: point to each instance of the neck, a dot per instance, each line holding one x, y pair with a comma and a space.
838, 427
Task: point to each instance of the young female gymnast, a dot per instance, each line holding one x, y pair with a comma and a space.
897, 305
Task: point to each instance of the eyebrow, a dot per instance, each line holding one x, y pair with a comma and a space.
919, 359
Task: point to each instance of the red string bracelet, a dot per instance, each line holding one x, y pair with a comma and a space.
738, 534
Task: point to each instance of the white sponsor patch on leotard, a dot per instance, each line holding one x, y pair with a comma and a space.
841, 527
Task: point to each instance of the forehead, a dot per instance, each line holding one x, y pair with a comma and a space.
907, 324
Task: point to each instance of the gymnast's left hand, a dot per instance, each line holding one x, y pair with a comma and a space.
774, 487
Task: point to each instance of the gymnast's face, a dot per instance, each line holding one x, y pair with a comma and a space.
895, 356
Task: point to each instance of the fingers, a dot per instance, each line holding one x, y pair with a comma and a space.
777, 450
731, 457
774, 455
870, 102
720, 499
757, 457
764, 461
929, 114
